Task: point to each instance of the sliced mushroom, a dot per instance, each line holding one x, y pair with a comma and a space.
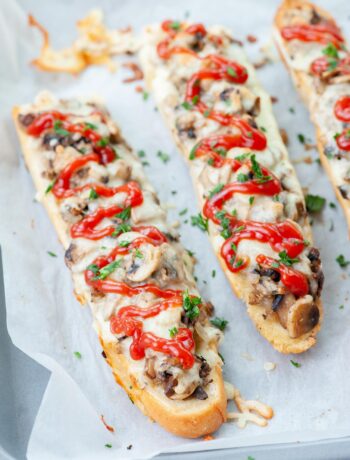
143, 263
302, 316
149, 367
284, 307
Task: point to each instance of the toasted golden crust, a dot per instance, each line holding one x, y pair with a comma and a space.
299, 78
188, 418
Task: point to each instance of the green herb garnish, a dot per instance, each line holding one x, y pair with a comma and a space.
314, 203
108, 269
57, 126
93, 195
216, 190
191, 305
330, 50
163, 156
343, 263
173, 331
286, 260
220, 323
200, 221
124, 214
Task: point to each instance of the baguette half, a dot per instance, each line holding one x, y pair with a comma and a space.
319, 92
197, 78
195, 403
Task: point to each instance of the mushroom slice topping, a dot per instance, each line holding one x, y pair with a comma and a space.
302, 316
143, 262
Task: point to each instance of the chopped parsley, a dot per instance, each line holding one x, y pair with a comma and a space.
138, 254
101, 274
183, 212
239, 229
109, 446
94, 268
175, 25
331, 51
286, 260
231, 72
190, 253
251, 200
124, 214
90, 126
193, 151
93, 195
216, 190
195, 99
291, 109
163, 156
52, 254
225, 224
221, 357
103, 142
200, 221
242, 177
122, 228
49, 187
332, 205
141, 153
186, 105
145, 95
124, 244
314, 203
213, 273
191, 305
343, 263
295, 364
220, 323
301, 138
206, 113
57, 126
173, 331
257, 171
238, 263
77, 354
242, 157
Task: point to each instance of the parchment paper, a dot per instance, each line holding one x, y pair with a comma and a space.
311, 402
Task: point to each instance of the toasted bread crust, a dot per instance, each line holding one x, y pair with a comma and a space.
301, 84
189, 418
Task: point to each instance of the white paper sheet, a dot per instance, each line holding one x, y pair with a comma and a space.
311, 402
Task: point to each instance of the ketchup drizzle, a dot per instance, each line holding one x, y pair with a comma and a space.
280, 236
182, 345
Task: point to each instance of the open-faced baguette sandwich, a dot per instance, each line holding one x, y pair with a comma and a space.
252, 204
126, 262
316, 54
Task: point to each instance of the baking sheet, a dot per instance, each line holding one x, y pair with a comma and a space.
310, 402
